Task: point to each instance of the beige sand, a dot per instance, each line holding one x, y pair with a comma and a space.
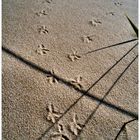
58, 36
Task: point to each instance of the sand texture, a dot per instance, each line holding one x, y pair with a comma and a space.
70, 70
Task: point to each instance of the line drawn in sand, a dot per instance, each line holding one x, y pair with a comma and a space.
41, 50
51, 79
48, 1
61, 134
43, 29
124, 129
77, 82
74, 126
74, 56
52, 114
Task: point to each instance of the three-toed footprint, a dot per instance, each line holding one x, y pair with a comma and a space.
60, 134
41, 50
52, 114
74, 56
87, 39
51, 78
42, 12
118, 3
74, 125
43, 29
77, 82
95, 22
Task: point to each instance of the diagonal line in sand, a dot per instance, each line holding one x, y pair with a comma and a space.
117, 44
122, 128
91, 115
100, 100
63, 81
106, 103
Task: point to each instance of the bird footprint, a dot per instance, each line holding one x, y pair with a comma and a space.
95, 22
61, 134
51, 78
43, 12
52, 115
87, 39
74, 126
74, 56
77, 82
42, 50
117, 3
43, 29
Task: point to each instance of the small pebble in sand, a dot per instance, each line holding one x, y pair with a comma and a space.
41, 50
74, 126
43, 29
52, 115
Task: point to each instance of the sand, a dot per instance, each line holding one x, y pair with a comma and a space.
62, 78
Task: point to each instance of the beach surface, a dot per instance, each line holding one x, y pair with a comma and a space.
69, 70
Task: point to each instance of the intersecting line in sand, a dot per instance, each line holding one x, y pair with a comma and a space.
91, 115
123, 127
117, 44
63, 81
100, 100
